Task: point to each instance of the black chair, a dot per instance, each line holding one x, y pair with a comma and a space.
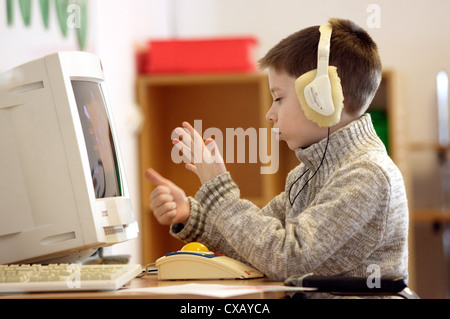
353, 286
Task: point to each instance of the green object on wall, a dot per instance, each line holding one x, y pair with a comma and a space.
62, 14
82, 29
71, 14
25, 10
45, 6
10, 11
381, 125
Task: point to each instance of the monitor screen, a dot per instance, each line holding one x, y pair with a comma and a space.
98, 138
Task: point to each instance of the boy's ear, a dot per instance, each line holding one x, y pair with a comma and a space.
336, 93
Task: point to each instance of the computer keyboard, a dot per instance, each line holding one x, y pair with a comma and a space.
65, 277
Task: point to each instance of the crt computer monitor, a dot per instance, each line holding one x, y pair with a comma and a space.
63, 191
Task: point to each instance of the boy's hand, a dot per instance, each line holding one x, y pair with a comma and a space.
204, 158
168, 202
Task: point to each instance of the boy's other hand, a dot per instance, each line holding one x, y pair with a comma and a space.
168, 201
204, 156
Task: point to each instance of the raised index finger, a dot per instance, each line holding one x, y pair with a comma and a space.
197, 143
154, 177
192, 131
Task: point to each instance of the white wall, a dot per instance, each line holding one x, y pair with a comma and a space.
115, 27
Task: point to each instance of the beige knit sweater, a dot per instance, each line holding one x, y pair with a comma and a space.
353, 213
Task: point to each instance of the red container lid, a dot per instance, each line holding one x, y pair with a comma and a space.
201, 55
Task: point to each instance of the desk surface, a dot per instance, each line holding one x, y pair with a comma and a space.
152, 281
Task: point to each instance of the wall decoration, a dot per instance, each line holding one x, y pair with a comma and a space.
71, 14
45, 5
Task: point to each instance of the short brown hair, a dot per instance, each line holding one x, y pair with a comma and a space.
352, 51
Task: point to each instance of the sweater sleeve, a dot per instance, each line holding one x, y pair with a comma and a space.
199, 226
342, 226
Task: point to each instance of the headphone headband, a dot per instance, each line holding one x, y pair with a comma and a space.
319, 91
323, 50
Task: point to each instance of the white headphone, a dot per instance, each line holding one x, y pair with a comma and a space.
319, 91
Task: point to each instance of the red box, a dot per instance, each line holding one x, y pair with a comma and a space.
200, 55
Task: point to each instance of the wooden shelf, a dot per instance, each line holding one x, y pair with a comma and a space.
201, 79
435, 147
431, 215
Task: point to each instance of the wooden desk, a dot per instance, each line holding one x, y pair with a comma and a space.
152, 281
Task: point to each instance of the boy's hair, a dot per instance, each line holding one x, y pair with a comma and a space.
352, 51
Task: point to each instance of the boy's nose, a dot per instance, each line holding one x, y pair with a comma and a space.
270, 116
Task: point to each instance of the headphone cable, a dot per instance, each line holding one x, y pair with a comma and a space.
321, 162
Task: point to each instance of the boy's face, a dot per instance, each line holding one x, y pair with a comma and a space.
287, 115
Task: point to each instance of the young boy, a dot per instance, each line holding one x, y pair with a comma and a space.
344, 207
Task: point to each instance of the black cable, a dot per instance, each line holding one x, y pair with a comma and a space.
321, 162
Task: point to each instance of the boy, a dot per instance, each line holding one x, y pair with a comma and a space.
344, 207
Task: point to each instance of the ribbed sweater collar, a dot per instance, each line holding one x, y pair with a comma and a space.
344, 143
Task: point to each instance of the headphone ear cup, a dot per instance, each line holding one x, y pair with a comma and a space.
336, 93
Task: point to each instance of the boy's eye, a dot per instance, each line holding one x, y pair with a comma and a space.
278, 100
